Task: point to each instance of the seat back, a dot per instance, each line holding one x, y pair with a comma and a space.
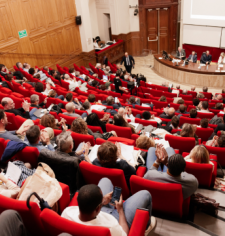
203, 173
170, 205
31, 217
11, 119
93, 174
184, 144
120, 131
205, 115
146, 122
69, 119
100, 114
95, 129
186, 97
54, 225
219, 152
207, 95
204, 133
79, 138
194, 121
159, 105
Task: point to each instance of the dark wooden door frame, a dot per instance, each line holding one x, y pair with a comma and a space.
144, 5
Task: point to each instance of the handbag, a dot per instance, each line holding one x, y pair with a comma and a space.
206, 204
57, 109
220, 172
107, 135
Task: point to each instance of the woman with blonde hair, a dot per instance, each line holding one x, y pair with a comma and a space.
188, 130
221, 58
144, 142
199, 154
48, 120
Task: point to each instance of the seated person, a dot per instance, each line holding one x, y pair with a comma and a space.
94, 208
185, 92
110, 101
216, 141
94, 83
218, 97
63, 161
220, 127
221, 58
204, 123
147, 116
11, 135
9, 106
134, 101
204, 107
162, 99
182, 109
92, 99
193, 113
48, 120
93, 120
218, 106
173, 124
118, 120
143, 142
193, 88
205, 89
80, 126
200, 95
193, 57
118, 84
181, 54
98, 66
78, 75
180, 101
188, 130
127, 113
69, 98
173, 169
34, 100
4, 72
206, 58
86, 106
108, 155
199, 154
38, 139
168, 113
70, 111
196, 102
8, 189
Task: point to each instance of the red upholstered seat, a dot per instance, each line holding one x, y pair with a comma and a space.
167, 198
159, 105
219, 152
11, 119
204, 133
194, 121
120, 131
93, 174
79, 138
206, 115
146, 122
207, 95
95, 129
184, 144
69, 119
203, 172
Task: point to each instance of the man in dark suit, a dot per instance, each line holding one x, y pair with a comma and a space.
181, 54
206, 58
192, 57
128, 62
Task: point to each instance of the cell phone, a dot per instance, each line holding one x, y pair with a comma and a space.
116, 99
116, 194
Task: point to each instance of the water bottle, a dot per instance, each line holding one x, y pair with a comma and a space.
207, 67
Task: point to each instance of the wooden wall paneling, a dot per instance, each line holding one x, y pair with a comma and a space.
152, 30
164, 30
173, 27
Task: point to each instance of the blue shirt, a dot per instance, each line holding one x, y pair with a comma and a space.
39, 146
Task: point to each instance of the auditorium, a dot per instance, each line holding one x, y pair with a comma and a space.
112, 117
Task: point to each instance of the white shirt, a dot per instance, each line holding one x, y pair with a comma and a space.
221, 61
103, 219
95, 45
205, 111
128, 61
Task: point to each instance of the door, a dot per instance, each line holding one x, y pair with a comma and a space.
158, 29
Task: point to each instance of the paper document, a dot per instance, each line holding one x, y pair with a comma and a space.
202, 64
98, 107
127, 152
93, 154
13, 172
220, 65
163, 142
160, 58
144, 105
149, 83
134, 124
217, 70
221, 112
222, 70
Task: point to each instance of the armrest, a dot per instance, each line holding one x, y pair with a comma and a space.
65, 198
74, 200
199, 141
141, 171
140, 222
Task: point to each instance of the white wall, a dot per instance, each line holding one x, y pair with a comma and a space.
134, 20
94, 18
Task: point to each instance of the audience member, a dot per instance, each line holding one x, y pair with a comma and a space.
182, 109
200, 95
147, 116
37, 138
144, 142
70, 111
9, 106
8, 188
180, 101
185, 91
204, 123
188, 130
204, 107
110, 101
216, 141
173, 124
94, 208
168, 113
34, 100
205, 89
193, 88
120, 121
162, 99
193, 113
196, 102
48, 120
218, 97
118, 84
173, 170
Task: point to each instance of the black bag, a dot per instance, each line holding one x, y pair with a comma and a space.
56, 109
107, 135
220, 172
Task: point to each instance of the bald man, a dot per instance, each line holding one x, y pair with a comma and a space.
181, 54
128, 62
9, 106
168, 113
70, 111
